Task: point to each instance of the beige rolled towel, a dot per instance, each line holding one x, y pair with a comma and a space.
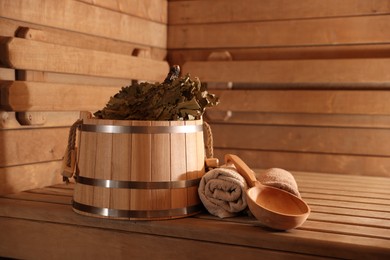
222, 192
279, 178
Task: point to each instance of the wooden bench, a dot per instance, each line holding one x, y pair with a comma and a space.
350, 219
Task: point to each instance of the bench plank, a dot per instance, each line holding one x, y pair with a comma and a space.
58, 58
329, 231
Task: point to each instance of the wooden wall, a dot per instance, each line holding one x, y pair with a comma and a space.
303, 86
61, 57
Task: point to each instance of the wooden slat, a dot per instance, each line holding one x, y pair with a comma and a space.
117, 244
181, 56
24, 177
94, 20
57, 58
26, 146
326, 72
295, 119
330, 102
305, 32
329, 163
205, 12
41, 96
155, 10
51, 119
44, 76
11, 28
314, 177
7, 74
347, 141
341, 240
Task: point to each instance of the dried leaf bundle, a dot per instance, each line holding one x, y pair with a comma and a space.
177, 98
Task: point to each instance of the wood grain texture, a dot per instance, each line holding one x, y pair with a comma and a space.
46, 57
41, 96
81, 17
52, 77
218, 11
7, 74
342, 51
31, 31
314, 162
326, 72
178, 166
26, 146
299, 32
332, 102
330, 140
298, 119
161, 167
9, 120
15, 179
346, 222
121, 167
154, 10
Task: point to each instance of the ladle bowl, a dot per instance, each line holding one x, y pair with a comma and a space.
272, 207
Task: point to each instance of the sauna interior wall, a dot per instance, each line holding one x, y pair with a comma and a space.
303, 86
62, 57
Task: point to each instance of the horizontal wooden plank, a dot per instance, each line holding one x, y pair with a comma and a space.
7, 74
325, 72
41, 96
311, 177
330, 140
117, 244
11, 28
329, 163
214, 115
26, 146
343, 30
62, 59
94, 20
180, 56
343, 211
333, 102
154, 10
53, 77
25, 177
217, 11
243, 232
10, 120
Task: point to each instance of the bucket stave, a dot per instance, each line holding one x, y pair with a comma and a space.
139, 169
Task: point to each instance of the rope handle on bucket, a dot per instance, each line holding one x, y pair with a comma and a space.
69, 166
210, 161
69, 160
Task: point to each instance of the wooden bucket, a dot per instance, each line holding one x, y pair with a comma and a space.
139, 170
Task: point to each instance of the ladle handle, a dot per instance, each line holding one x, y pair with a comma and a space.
242, 169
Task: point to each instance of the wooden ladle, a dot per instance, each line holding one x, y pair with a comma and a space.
273, 207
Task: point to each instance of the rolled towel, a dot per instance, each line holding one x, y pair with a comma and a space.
281, 179
222, 192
